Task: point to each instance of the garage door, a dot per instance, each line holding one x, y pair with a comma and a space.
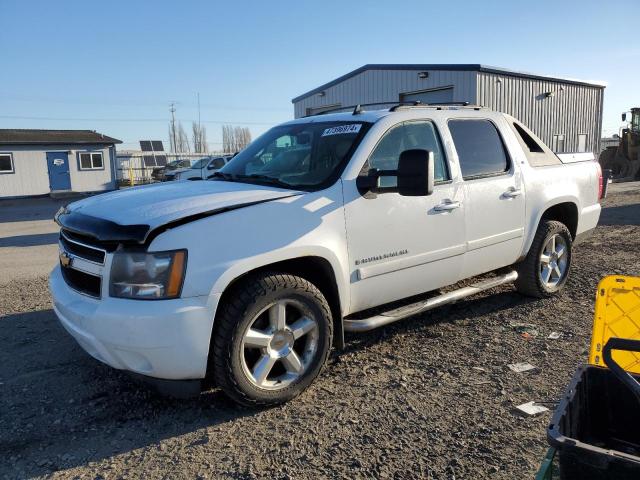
441, 95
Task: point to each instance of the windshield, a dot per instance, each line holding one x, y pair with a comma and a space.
304, 156
200, 163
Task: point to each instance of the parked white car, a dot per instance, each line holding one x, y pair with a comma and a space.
248, 280
200, 170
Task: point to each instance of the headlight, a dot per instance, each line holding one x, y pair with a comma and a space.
148, 276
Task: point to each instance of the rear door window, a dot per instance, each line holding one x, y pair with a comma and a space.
480, 149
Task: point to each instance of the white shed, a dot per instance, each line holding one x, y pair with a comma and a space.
38, 162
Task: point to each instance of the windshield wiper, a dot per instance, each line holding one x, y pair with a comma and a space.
265, 179
225, 176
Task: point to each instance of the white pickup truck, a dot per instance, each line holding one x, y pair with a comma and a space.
247, 280
200, 170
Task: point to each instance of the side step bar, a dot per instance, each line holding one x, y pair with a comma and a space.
366, 324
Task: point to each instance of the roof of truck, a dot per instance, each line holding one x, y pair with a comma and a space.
373, 116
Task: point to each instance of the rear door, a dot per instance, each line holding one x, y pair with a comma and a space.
58, 166
494, 193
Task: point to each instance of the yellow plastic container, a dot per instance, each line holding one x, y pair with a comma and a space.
617, 314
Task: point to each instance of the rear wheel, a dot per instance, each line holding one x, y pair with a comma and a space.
271, 339
546, 267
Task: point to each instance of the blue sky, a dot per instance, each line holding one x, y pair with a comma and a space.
115, 66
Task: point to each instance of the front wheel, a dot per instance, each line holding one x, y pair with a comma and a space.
271, 339
546, 267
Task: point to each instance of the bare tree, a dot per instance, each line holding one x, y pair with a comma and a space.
181, 139
243, 137
235, 139
228, 142
199, 138
178, 138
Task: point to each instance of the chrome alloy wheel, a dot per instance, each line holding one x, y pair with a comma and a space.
279, 344
553, 261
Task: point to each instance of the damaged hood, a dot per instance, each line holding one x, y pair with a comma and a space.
131, 215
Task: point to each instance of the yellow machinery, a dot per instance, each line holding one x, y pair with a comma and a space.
624, 159
617, 315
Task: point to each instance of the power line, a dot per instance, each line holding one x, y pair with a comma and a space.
149, 103
60, 119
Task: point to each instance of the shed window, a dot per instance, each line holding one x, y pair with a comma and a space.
6, 163
480, 149
91, 161
531, 144
558, 143
582, 142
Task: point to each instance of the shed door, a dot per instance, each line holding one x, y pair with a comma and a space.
441, 95
58, 165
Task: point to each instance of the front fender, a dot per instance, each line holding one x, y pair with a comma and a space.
223, 247
245, 266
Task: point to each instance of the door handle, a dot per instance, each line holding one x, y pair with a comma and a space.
447, 206
512, 193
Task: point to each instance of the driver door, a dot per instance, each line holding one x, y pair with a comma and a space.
400, 246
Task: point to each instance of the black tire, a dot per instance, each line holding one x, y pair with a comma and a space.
243, 304
529, 280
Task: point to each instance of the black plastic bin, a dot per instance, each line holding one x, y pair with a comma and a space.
596, 427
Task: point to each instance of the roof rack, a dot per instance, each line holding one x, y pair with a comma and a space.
358, 108
434, 105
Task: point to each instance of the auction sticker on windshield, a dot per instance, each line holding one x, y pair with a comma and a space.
342, 129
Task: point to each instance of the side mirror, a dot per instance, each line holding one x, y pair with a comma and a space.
416, 173
414, 177
624, 117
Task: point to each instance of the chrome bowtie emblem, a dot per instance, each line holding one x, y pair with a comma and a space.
65, 259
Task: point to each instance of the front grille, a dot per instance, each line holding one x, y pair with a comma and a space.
82, 250
88, 241
83, 270
82, 282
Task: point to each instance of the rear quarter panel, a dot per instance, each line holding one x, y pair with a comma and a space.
551, 185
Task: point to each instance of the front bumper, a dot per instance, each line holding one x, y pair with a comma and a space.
167, 339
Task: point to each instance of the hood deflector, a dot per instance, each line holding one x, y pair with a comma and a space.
108, 231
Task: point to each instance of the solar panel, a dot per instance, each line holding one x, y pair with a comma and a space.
161, 160
157, 145
145, 146
149, 160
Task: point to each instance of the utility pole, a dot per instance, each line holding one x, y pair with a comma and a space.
200, 146
198, 111
172, 109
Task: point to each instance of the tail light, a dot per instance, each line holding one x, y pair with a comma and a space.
600, 181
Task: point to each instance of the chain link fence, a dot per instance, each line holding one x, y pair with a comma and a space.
149, 167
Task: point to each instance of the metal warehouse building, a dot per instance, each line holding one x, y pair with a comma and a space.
565, 114
38, 162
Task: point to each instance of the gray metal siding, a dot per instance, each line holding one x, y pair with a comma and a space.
386, 86
573, 109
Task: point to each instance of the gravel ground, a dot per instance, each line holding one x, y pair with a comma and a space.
430, 397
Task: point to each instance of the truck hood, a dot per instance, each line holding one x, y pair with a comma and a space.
135, 215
